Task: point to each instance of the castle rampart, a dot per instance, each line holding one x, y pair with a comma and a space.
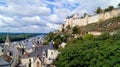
74, 20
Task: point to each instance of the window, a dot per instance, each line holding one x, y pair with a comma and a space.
51, 53
2, 50
10, 53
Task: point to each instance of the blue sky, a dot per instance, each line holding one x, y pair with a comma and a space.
41, 16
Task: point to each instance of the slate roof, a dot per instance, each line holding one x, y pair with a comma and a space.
4, 63
38, 50
50, 46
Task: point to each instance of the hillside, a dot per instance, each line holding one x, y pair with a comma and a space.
65, 35
105, 26
92, 51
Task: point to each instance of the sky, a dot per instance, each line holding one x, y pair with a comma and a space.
43, 16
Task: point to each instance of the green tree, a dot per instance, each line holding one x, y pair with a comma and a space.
68, 27
57, 36
75, 30
45, 42
63, 29
90, 54
99, 10
109, 8
56, 43
119, 5
116, 36
64, 38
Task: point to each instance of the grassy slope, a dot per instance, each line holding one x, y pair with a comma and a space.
109, 25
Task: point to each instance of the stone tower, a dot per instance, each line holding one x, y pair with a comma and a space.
7, 41
7, 45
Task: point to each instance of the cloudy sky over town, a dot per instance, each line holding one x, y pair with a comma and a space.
41, 16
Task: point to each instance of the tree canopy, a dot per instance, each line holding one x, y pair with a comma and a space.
119, 5
99, 10
103, 51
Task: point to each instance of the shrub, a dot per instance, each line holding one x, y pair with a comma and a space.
103, 36
56, 43
89, 37
75, 30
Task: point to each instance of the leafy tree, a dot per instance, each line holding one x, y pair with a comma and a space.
99, 10
64, 38
90, 54
50, 36
109, 8
68, 27
57, 36
119, 5
75, 30
56, 43
63, 29
84, 14
116, 36
46, 43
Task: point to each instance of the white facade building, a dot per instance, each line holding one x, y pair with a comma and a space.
52, 55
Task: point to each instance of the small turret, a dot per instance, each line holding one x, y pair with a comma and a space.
7, 41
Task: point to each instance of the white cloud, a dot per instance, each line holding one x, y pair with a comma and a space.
52, 26
2, 24
62, 12
25, 11
44, 15
31, 19
6, 19
54, 19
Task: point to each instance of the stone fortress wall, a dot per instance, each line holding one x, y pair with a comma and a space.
74, 20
